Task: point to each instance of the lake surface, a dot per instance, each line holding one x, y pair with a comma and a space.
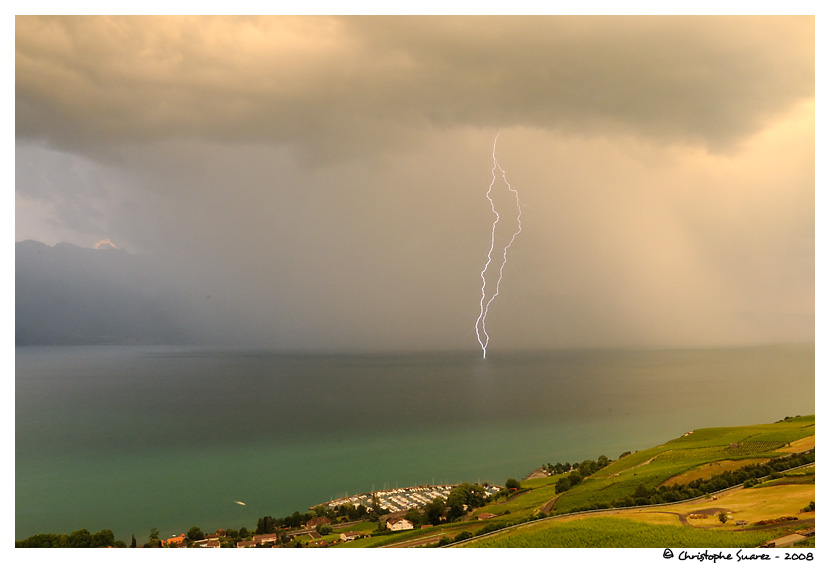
130, 438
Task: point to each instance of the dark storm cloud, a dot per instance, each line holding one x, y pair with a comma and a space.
326, 84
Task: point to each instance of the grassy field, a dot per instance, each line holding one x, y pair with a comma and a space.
618, 532
757, 503
535, 494
655, 466
651, 526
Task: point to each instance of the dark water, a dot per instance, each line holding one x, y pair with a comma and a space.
130, 438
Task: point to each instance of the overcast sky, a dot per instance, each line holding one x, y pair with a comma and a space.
321, 182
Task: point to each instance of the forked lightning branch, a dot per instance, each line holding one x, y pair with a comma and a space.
481, 329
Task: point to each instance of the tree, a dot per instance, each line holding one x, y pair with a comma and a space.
155, 542
722, 517
293, 521
266, 525
641, 491
195, 534
154, 534
132, 541
434, 511
104, 538
462, 498
414, 515
455, 508
351, 513
376, 511
717, 484
80, 538
587, 467
471, 495
512, 484
40, 540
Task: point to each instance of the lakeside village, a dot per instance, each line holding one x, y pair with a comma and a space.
337, 521
388, 508
386, 513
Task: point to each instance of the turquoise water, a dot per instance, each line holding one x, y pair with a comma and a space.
130, 438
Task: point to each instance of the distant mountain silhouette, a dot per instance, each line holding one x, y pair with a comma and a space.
71, 295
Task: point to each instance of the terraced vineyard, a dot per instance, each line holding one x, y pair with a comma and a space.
752, 448
654, 466
747, 449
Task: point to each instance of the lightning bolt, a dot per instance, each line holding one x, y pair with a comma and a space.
485, 307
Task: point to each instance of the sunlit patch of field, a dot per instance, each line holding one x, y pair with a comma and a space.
754, 504
804, 444
655, 518
712, 469
645, 515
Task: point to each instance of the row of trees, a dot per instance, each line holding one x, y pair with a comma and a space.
78, 538
589, 466
433, 513
579, 471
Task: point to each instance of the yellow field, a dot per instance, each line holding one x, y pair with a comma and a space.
648, 517
755, 504
742, 504
711, 469
804, 444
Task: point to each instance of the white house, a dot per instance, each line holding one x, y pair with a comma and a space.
398, 524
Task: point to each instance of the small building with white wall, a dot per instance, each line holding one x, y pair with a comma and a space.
399, 524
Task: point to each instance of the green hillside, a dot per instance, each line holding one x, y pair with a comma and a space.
650, 468
742, 448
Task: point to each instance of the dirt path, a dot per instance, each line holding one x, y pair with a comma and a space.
550, 505
681, 517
